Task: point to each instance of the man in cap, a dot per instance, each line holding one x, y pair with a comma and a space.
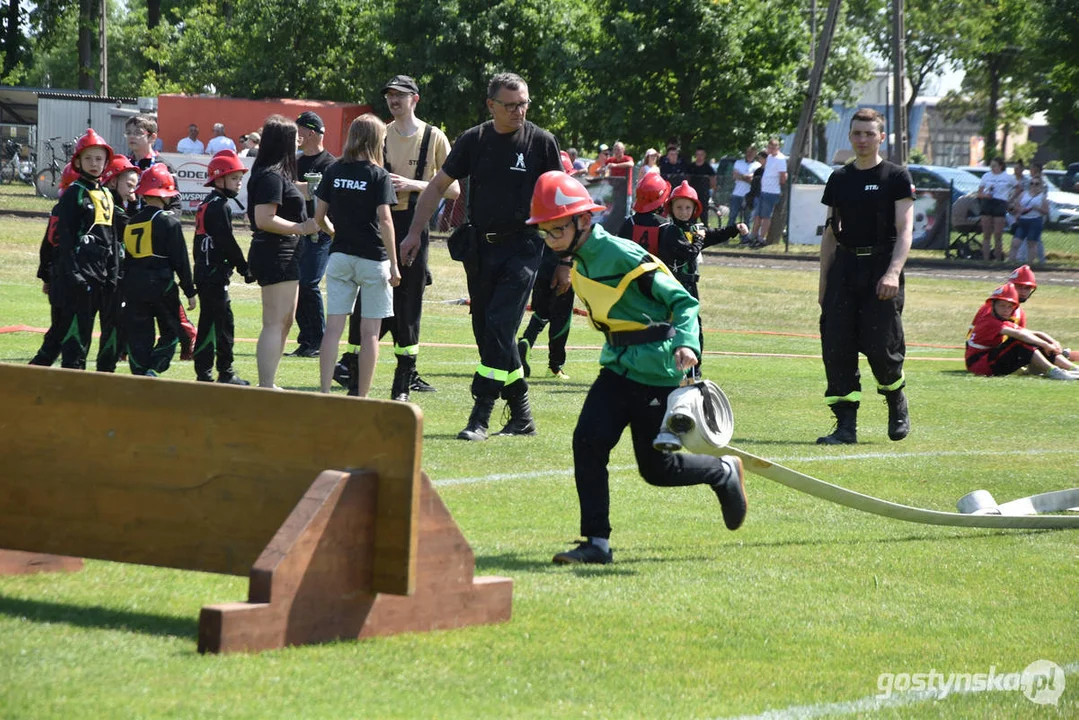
314, 249
414, 154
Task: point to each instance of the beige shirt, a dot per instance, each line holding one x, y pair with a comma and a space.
402, 154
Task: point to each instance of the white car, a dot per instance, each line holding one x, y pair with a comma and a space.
1063, 206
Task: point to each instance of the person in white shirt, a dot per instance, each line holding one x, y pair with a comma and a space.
191, 145
1031, 207
743, 176
772, 182
219, 141
994, 193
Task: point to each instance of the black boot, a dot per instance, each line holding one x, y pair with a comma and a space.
402, 378
477, 422
898, 417
520, 422
346, 368
846, 425
229, 377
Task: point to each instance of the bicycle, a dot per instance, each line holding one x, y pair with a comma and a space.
14, 167
47, 180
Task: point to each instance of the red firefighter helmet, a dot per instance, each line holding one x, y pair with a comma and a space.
157, 181
68, 176
567, 164
684, 191
557, 195
1023, 275
223, 163
1005, 292
92, 139
119, 164
652, 192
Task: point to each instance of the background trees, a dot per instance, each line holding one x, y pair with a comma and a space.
715, 72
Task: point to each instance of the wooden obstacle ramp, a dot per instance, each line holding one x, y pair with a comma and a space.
227, 479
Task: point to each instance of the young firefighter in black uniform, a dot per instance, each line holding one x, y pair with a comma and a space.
216, 253
682, 241
50, 344
86, 258
549, 307
503, 159
642, 363
866, 241
120, 178
646, 224
156, 251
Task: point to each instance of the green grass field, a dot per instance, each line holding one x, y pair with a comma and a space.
798, 614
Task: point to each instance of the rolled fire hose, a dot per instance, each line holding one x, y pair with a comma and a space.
699, 419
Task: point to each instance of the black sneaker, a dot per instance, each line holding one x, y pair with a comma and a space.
418, 384
732, 493
232, 379
342, 371
303, 352
524, 349
585, 553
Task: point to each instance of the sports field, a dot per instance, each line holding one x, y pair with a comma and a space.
810, 610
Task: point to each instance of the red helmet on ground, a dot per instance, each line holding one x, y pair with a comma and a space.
157, 181
68, 176
557, 195
567, 164
684, 191
1023, 275
652, 192
92, 139
118, 164
225, 162
1005, 292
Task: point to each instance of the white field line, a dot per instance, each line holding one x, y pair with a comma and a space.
568, 472
873, 703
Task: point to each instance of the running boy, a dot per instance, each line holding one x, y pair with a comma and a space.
997, 345
642, 363
645, 225
216, 253
156, 251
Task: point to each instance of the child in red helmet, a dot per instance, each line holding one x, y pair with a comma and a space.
216, 253
644, 227
649, 323
997, 345
50, 344
156, 252
86, 257
685, 237
1025, 284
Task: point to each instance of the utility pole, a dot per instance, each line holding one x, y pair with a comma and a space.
898, 149
805, 121
103, 44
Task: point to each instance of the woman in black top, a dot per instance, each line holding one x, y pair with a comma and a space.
278, 215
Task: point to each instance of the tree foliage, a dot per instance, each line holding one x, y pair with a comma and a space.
1056, 71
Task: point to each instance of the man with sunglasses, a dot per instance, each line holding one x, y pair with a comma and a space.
502, 159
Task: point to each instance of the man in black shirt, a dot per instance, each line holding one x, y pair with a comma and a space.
702, 178
314, 249
866, 241
502, 159
671, 166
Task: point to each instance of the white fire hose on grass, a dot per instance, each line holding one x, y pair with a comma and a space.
699, 419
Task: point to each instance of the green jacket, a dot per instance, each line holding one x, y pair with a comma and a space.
654, 297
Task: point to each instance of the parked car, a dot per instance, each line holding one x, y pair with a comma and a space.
938, 177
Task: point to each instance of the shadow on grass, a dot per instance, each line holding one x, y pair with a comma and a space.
99, 617
513, 562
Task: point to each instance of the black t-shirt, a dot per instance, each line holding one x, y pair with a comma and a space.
667, 169
266, 187
502, 172
353, 191
316, 163
865, 201
699, 177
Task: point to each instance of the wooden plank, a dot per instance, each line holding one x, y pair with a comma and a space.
196, 476
314, 581
15, 562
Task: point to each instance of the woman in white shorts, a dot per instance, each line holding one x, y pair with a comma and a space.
358, 192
